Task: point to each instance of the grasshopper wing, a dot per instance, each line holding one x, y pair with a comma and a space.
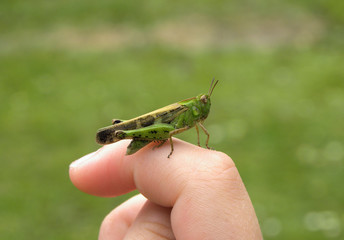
166, 115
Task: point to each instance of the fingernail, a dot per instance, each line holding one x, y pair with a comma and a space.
83, 160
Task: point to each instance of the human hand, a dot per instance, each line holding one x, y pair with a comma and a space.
195, 194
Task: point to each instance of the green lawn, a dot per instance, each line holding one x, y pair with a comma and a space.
67, 68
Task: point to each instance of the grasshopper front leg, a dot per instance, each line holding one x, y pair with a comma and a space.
206, 132
174, 132
197, 135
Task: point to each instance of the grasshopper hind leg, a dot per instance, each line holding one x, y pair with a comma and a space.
142, 136
160, 144
136, 145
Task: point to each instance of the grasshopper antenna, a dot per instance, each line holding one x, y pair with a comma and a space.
212, 86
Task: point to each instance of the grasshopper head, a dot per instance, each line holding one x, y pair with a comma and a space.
204, 104
204, 99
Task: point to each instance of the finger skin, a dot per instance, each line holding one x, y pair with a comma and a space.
153, 222
105, 173
223, 214
118, 221
204, 187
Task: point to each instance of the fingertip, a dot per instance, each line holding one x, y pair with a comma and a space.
95, 173
81, 161
76, 168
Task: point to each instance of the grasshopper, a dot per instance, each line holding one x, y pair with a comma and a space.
160, 124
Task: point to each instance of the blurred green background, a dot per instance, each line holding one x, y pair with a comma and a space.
68, 67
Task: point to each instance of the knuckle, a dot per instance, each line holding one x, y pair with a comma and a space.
221, 163
220, 167
219, 175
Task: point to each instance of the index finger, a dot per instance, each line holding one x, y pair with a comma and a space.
109, 172
204, 188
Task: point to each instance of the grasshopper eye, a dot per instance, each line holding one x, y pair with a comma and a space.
204, 99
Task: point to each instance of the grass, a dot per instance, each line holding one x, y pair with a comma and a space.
277, 111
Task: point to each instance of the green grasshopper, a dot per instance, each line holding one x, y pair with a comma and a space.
160, 124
